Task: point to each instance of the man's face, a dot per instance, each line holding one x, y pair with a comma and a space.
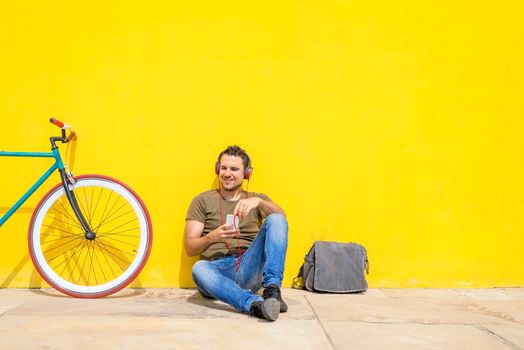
231, 172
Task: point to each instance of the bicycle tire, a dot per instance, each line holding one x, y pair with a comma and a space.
60, 251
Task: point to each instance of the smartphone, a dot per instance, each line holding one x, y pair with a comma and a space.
232, 220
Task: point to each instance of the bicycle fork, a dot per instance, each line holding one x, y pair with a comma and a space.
67, 185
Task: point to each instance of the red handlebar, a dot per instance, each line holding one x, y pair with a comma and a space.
64, 127
57, 122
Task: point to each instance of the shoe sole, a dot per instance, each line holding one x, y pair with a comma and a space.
271, 309
283, 306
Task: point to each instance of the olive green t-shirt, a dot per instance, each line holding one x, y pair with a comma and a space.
205, 208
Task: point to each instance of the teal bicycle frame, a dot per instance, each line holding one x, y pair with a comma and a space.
58, 165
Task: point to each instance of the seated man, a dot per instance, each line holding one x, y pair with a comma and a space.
238, 261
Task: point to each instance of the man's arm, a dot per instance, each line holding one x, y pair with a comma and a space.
268, 207
244, 206
196, 244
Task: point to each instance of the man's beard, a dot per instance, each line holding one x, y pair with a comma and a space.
231, 188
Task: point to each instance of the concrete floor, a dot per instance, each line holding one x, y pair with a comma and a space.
181, 319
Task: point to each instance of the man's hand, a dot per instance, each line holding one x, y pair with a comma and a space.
196, 244
244, 206
223, 232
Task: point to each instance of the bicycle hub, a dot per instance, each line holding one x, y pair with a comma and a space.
90, 235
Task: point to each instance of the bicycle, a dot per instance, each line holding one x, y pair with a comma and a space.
90, 235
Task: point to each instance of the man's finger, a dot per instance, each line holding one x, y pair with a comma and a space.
236, 210
230, 234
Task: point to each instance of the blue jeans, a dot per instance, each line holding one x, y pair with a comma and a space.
260, 265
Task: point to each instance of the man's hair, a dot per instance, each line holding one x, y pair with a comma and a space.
236, 151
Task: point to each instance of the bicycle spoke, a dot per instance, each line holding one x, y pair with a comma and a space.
101, 269
82, 269
105, 257
124, 224
88, 206
65, 222
114, 239
96, 205
82, 209
76, 247
107, 222
109, 213
66, 214
91, 263
58, 229
52, 235
61, 237
91, 206
61, 245
119, 233
113, 254
87, 213
112, 231
104, 212
71, 216
113, 212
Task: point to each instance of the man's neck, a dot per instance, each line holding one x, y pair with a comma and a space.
231, 195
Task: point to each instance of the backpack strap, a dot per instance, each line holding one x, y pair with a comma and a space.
366, 260
295, 284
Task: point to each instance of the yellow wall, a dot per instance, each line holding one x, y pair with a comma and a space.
395, 124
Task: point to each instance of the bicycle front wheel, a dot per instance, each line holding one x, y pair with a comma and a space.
90, 268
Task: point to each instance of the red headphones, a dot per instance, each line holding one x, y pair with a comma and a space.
247, 171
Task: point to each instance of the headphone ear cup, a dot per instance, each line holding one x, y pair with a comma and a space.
248, 172
217, 168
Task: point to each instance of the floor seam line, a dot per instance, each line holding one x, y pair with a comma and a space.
321, 324
498, 337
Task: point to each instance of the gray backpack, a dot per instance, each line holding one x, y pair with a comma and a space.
334, 268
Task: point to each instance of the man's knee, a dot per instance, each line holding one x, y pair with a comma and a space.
277, 220
200, 270
277, 228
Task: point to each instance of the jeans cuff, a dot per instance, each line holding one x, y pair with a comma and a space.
276, 281
250, 301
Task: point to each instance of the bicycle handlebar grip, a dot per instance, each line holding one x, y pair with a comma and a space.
73, 136
57, 122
